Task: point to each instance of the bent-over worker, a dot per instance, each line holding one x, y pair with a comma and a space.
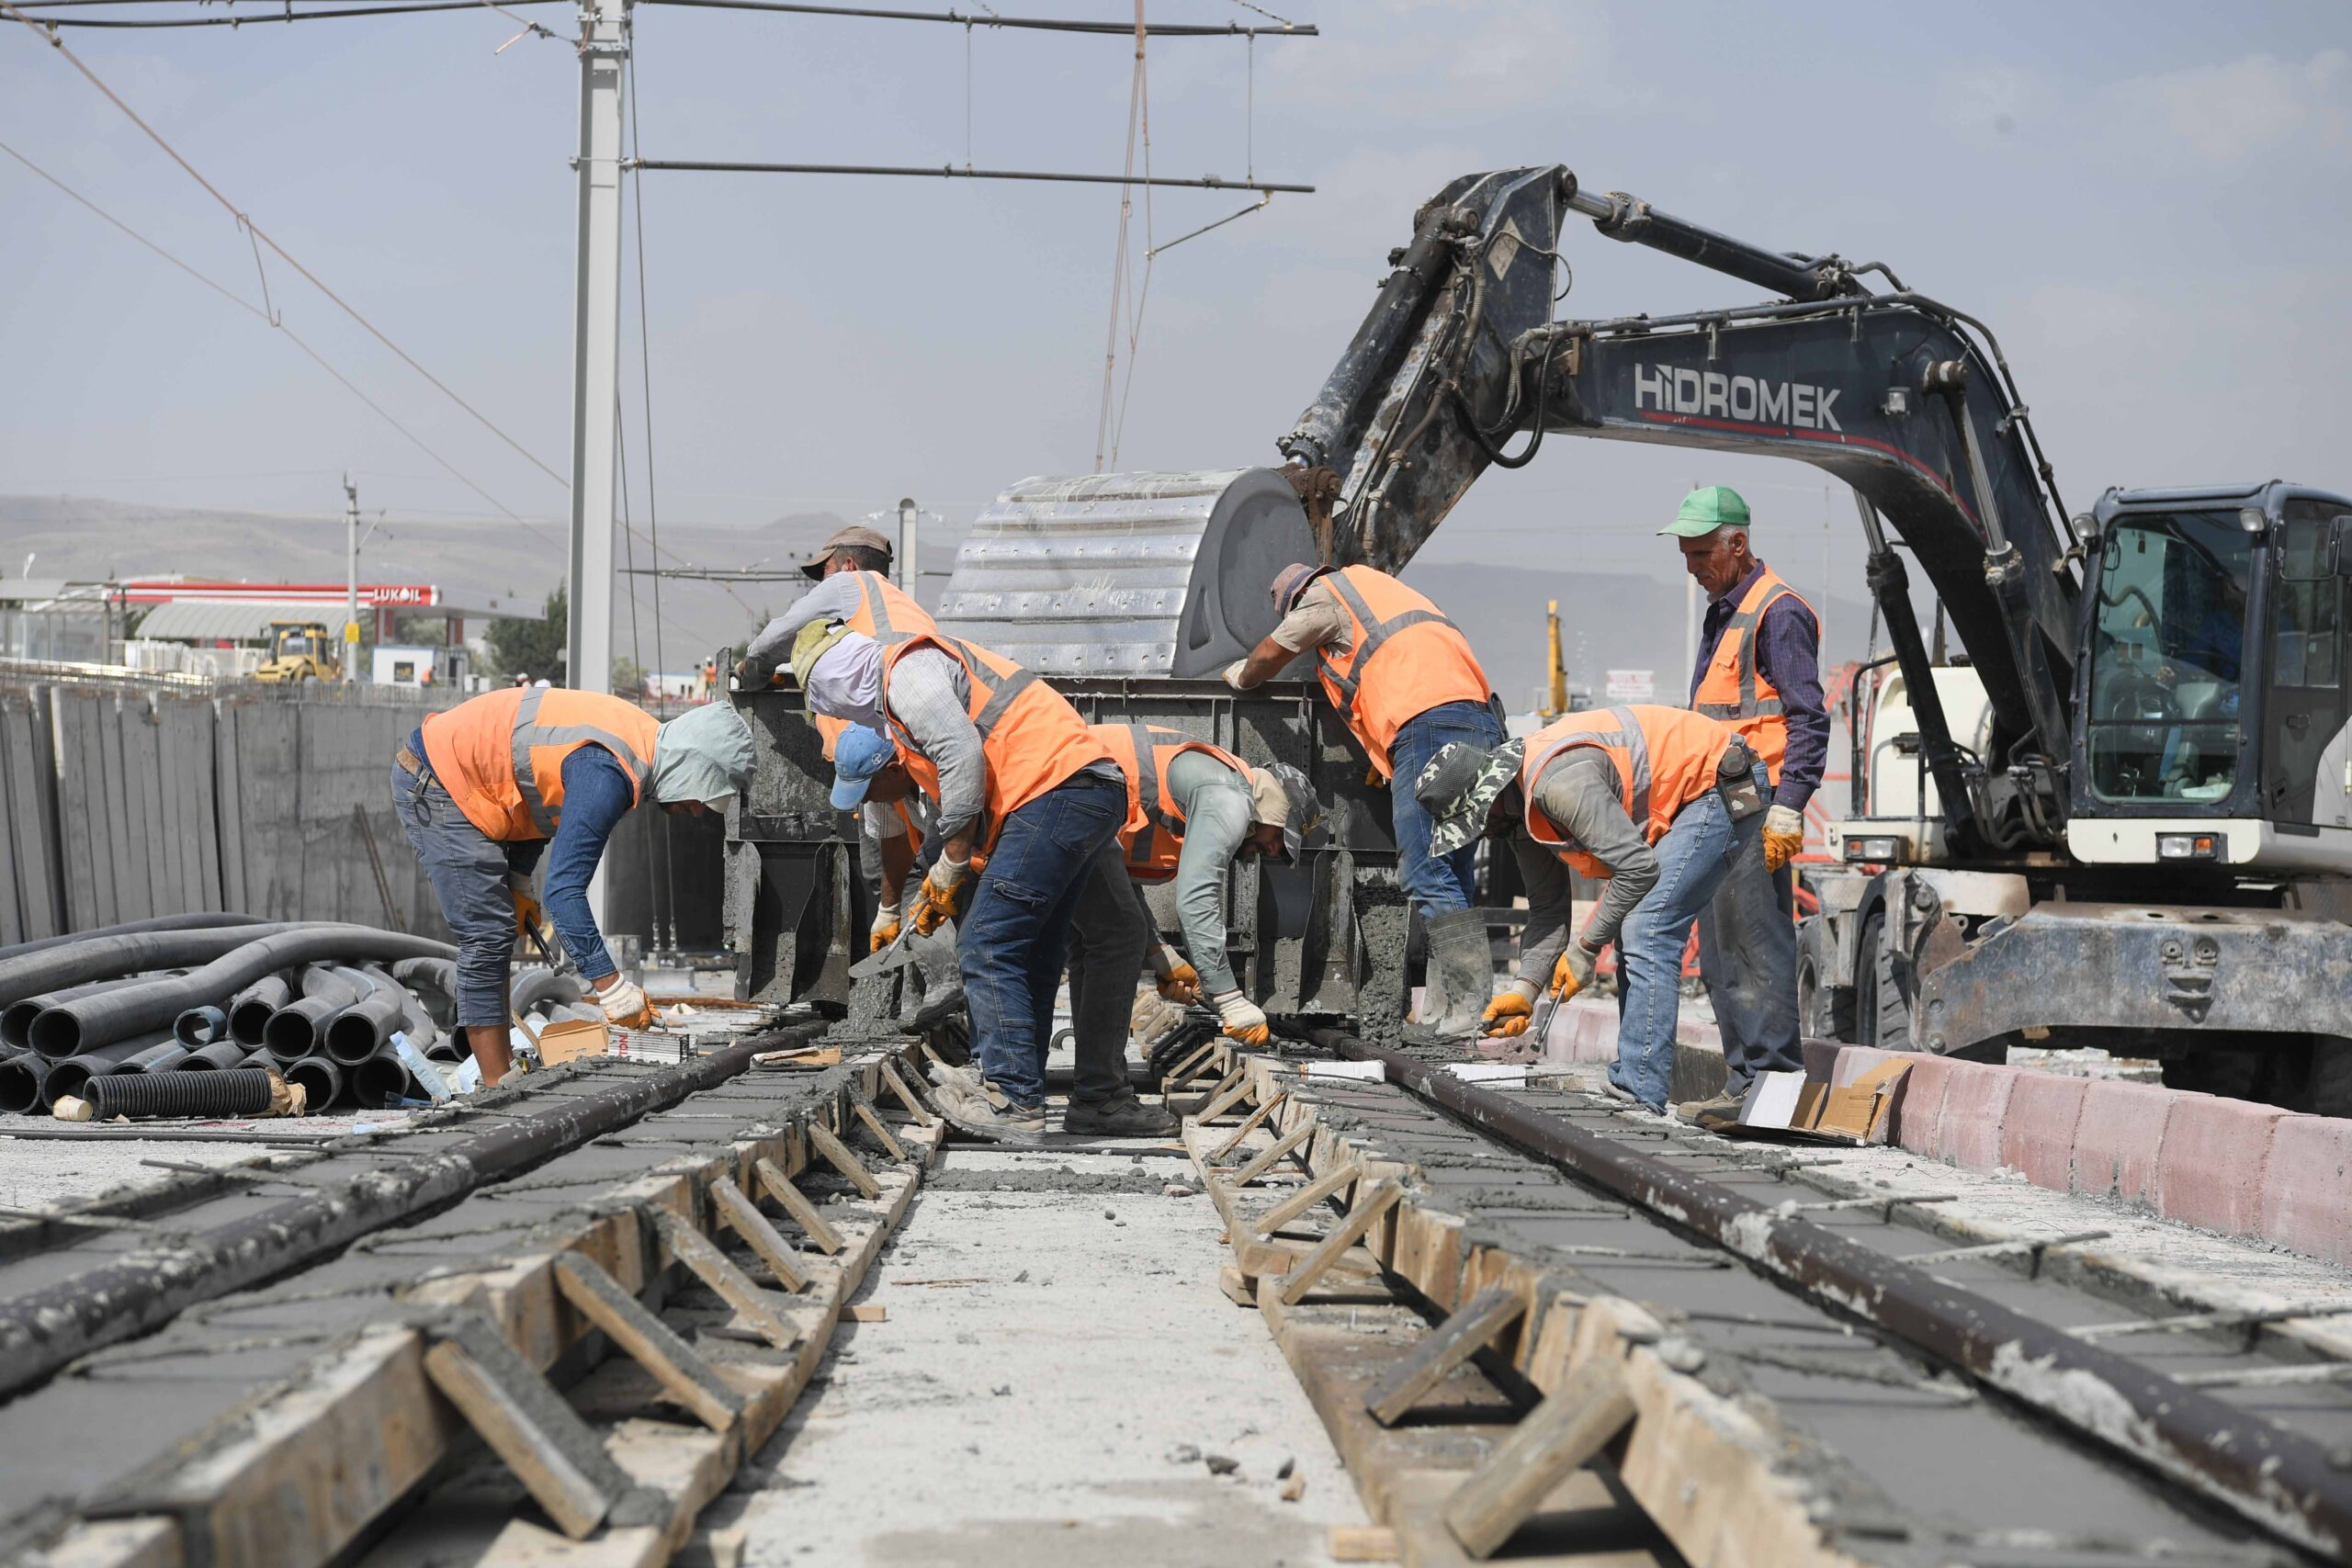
484, 787
1758, 671
1657, 801
1013, 774
1406, 681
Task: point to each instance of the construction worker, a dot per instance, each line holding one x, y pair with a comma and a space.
1758, 671
1660, 802
1192, 810
484, 787
1013, 774
1404, 679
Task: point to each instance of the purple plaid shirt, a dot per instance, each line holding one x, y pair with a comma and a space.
1788, 654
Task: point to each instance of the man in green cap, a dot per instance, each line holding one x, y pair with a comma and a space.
1758, 671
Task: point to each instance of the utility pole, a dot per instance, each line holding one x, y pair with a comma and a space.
351, 575
909, 520
595, 345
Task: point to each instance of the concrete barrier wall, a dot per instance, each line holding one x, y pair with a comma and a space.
2230, 1166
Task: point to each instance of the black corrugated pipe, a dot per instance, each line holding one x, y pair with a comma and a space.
321, 1079
382, 1078
129, 928
62, 1031
242, 1093
221, 1056
361, 1030
104, 957
2282, 1480
21, 1078
67, 1075
299, 1028
17, 1019
201, 1026
250, 1009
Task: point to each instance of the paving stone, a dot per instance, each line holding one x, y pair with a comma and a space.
1968, 1129
2210, 1171
2038, 1127
2117, 1139
2305, 1186
1919, 1102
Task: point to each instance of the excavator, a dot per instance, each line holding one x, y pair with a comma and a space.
2117, 814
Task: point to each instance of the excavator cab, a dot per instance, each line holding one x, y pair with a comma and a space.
2213, 690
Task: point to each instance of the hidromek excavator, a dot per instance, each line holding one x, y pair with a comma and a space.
2122, 819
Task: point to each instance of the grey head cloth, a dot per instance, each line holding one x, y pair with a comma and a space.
702, 754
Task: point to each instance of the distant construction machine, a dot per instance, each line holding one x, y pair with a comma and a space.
297, 652
2119, 815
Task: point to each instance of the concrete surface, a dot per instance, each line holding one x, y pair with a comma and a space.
1056, 1368
42, 1172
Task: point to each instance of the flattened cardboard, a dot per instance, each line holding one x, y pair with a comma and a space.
560, 1043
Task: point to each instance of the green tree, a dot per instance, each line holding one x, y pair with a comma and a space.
533, 648
628, 678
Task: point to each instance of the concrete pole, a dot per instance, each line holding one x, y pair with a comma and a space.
908, 522
595, 346
351, 573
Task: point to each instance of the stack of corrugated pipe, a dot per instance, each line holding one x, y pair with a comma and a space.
180, 1016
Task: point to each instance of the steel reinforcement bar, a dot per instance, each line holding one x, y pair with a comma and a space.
2280, 1479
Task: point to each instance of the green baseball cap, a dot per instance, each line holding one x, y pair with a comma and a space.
1706, 509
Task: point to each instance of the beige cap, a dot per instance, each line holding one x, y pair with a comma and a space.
856, 534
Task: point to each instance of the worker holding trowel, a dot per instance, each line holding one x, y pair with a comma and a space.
1758, 671
1192, 810
1013, 774
1404, 679
1659, 803
485, 787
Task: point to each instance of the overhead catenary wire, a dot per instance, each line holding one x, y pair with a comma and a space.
276, 323
1106, 428
244, 221
950, 172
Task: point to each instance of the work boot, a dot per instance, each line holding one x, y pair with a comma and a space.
1713, 1114
1020, 1125
1460, 980
1120, 1116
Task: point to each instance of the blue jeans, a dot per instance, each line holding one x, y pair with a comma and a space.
1434, 885
1692, 860
468, 869
1015, 937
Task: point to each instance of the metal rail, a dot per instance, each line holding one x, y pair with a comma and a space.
2279, 1479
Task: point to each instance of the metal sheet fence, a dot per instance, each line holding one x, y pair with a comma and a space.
122, 798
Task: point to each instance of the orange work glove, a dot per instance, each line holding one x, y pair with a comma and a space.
1243, 1018
1181, 984
1573, 973
940, 898
1783, 836
884, 930
1509, 1014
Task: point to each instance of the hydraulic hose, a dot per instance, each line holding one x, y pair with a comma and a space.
17, 1019
67, 1075
244, 1092
298, 1028
382, 1078
366, 1026
322, 1081
221, 1056
88, 1021
415, 1022
106, 957
130, 927
21, 1081
250, 1009
201, 1026
532, 987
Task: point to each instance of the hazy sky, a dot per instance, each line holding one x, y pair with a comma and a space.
2151, 204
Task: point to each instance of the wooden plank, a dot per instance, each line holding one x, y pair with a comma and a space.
119, 1543
1318, 1190
796, 1203
837, 1154
1177, 1073
925, 1116
747, 1221
1433, 1358
648, 1341
1248, 1125
881, 1134
576, 1492
1237, 1078
1362, 1543
1226, 1099
1369, 1206
718, 1271
1281, 1147
1574, 1423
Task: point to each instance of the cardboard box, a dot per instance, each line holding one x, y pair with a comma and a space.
560, 1043
1788, 1105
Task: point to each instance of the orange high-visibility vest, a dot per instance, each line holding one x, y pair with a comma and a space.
1732, 689
888, 614
1154, 837
500, 755
1666, 758
1404, 659
1032, 738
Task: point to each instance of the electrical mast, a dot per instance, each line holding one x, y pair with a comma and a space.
595, 345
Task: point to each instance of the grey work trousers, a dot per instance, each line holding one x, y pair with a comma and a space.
1747, 955
1108, 941
468, 871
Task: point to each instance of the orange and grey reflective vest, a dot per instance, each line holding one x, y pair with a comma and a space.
500, 755
1732, 689
1032, 738
1404, 657
1153, 839
888, 614
1666, 758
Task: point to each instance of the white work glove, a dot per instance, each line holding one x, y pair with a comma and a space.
940, 898
884, 930
1232, 674
1783, 836
1242, 1019
625, 1005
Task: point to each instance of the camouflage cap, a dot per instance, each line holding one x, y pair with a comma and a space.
1459, 788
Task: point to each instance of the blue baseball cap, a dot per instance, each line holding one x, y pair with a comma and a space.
858, 755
